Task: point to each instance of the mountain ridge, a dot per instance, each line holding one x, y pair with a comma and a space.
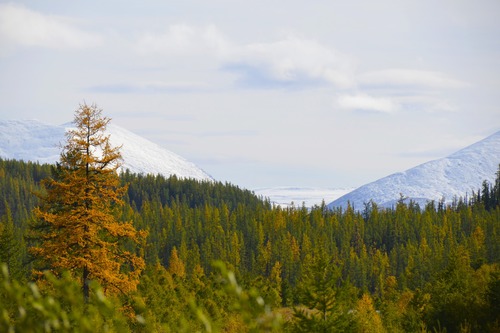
32, 140
446, 178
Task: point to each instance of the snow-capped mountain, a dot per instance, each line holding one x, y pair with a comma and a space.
309, 196
447, 178
31, 140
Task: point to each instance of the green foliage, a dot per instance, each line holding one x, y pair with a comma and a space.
419, 268
256, 314
324, 298
459, 295
489, 194
11, 245
56, 305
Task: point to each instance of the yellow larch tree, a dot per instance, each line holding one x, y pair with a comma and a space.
77, 224
176, 266
367, 319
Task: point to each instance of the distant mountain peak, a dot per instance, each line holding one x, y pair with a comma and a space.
32, 140
443, 179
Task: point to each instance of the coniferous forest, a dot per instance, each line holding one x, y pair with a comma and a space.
211, 257
218, 258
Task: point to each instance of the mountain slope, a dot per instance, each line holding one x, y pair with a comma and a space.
446, 178
31, 140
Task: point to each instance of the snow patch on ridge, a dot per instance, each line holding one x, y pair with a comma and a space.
447, 178
31, 140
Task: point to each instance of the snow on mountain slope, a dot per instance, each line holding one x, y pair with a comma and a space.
309, 196
446, 178
143, 156
31, 140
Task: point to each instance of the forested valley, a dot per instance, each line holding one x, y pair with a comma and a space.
219, 259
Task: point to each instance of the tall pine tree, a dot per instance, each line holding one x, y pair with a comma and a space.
77, 226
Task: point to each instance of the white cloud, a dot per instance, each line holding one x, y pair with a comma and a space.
366, 102
409, 78
289, 60
182, 39
295, 59
20, 26
404, 89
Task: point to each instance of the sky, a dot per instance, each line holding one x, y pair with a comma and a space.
264, 93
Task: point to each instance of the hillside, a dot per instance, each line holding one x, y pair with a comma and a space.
31, 140
456, 175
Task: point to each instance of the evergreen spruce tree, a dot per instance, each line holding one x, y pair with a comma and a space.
77, 226
496, 189
10, 245
324, 297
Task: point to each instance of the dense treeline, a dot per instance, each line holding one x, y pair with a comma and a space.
408, 268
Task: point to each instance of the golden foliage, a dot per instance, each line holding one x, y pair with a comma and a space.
176, 266
77, 226
366, 317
